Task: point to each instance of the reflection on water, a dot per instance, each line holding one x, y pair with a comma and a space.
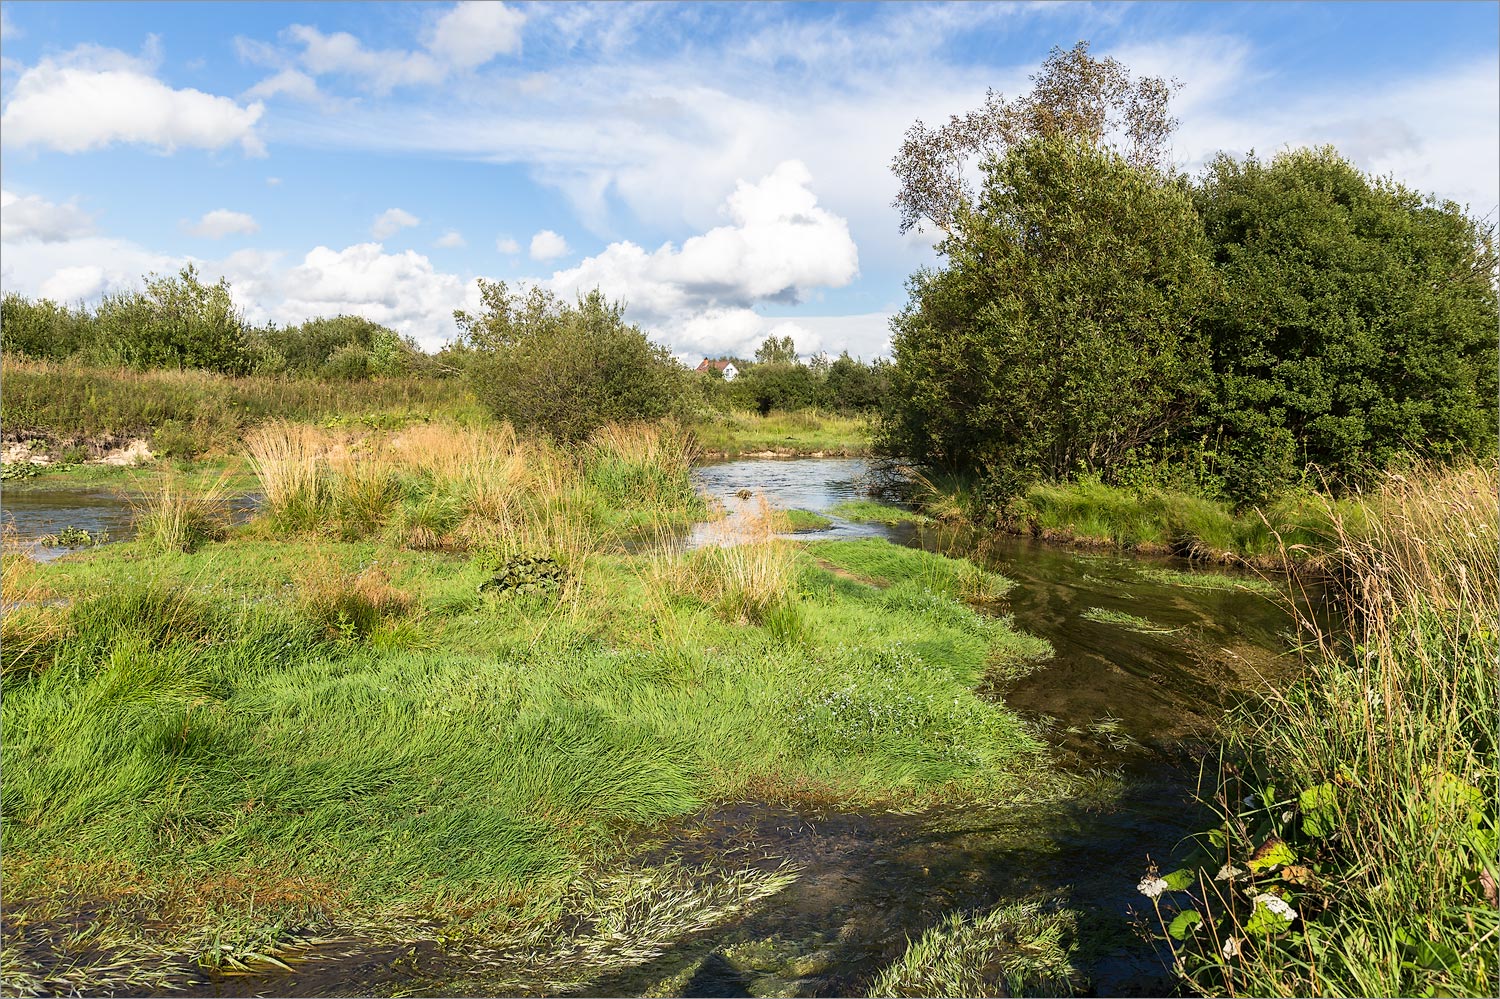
815, 484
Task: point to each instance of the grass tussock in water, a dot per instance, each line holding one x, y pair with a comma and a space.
325, 722
1014, 950
1357, 855
1134, 622
872, 512
175, 516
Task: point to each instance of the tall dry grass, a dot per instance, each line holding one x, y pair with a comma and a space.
745, 571
1377, 771
464, 488
177, 517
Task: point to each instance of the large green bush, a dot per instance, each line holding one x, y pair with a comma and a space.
1356, 320
1059, 337
565, 369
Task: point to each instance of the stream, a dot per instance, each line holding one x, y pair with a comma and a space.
1131, 711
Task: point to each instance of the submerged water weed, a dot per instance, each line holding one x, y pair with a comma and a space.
1125, 620
1199, 579
1011, 950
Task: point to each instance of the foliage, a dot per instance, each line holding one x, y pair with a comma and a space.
1356, 849
1059, 338
776, 350
566, 370
1356, 321
1075, 98
1010, 950
525, 575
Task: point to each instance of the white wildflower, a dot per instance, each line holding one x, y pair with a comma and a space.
1228, 872
1232, 947
1152, 887
1276, 906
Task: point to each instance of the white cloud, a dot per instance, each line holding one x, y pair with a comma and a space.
27, 218
461, 39
548, 245
452, 239
400, 290
8, 30
780, 246
473, 33
74, 284
221, 222
290, 83
94, 97
392, 221
273, 181
507, 245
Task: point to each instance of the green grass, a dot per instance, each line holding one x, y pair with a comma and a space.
806, 520
1014, 950
280, 730
1122, 619
805, 432
1202, 579
869, 511
1361, 800
186, 414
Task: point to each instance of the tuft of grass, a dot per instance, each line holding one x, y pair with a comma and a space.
799, 521
870, 511
1202, 579
1013, 950
1124, 620
177, 517
349, 604
1362, 802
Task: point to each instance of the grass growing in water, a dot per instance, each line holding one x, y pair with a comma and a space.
805, 520
1125, 620
1199, 579
260, 726
871, 512
1357, 853
1014, 950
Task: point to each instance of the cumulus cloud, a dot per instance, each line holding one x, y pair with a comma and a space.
28, 218
221, 222
463, 38
548, 245
452, 239
474, 32
507, 245
93, 97
75, 284
392, 221
400, 290
779, 246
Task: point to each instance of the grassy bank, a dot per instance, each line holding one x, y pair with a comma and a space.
76, 412
1150, 520
802, 433
1357, 851
428, 694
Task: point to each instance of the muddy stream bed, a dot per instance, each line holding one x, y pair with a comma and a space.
1131, 712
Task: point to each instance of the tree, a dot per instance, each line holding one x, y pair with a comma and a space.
177, 322
565, 369
1075, 96
776, 350
1059, 337
1357, 320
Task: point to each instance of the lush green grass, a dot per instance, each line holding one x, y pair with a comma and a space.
190, 413
804, 432
1164, 520
806, 520
1357, 849
1202, 579
331, 724
869, 511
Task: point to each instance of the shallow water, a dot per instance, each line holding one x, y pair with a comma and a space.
33, 513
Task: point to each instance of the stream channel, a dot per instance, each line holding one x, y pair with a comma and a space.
1134, 711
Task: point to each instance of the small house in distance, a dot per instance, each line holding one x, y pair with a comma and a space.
726, 368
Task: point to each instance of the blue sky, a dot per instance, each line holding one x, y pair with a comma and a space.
722, 168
